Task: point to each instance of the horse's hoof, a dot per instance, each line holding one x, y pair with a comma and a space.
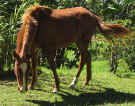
55, 90
20, 89
30, 87
71, 86
86, 83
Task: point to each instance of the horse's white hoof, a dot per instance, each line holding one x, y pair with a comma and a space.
30, 87
71, 86
55, 90
85, 83
20, 89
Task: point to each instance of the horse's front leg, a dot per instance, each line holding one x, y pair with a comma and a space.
19, 81
89, 72
34, 70
18, 77
52, 64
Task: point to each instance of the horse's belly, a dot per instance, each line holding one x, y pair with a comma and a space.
60, 42
64, 44
58, 35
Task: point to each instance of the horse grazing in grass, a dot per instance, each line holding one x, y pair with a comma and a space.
51, 29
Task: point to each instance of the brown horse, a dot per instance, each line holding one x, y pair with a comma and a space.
51, 29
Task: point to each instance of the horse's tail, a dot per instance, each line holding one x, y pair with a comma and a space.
113, 30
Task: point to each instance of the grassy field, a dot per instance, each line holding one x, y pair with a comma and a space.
105, 89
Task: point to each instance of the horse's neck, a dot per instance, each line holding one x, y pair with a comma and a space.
23, 51
25, 47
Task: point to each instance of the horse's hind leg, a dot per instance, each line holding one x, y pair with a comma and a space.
85, 57
81, 64
52, 65
89, 73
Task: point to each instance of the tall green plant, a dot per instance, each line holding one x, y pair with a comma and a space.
10, 16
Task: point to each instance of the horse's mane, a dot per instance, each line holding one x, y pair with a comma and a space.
28, 13
34, 12
28, 28
20, 39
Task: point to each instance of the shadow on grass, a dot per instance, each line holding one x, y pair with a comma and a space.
126, 75
7, 78
90, 99
10, 76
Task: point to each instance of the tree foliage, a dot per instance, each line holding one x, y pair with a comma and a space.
111, 11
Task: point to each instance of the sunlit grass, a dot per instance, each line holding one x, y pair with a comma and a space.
105, 89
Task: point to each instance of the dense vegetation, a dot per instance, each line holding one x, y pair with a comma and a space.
111, 11
106, 88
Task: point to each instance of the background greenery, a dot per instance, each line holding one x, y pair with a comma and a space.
105, 89
111, 11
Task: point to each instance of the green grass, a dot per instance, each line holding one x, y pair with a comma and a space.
105, 89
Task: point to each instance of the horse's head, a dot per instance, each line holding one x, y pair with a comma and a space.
22, 66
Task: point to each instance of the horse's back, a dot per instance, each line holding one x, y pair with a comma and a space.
65, 26
55, 33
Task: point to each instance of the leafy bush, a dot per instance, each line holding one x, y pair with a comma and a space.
12, 10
